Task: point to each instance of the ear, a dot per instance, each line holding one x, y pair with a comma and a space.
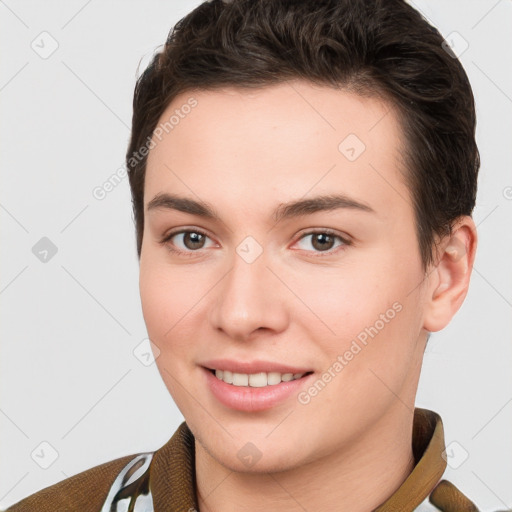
448, 279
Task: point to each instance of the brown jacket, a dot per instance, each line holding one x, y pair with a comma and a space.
164, 480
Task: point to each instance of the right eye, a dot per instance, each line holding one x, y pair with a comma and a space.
187, 241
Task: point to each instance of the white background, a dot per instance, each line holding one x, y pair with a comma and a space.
69, 326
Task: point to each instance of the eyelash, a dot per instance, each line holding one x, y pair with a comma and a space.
320, 254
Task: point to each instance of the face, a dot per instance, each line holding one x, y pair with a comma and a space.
235, 276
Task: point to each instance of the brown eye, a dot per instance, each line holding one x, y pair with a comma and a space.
186, 242
323, 241
193, 240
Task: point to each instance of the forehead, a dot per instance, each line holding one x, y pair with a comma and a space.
282, 141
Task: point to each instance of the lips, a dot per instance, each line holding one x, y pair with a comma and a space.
251, 367
255, 394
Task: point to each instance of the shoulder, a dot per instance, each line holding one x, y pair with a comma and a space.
124, 482
85, 491
447, 498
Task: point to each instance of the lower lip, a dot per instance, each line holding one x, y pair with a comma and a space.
251, 399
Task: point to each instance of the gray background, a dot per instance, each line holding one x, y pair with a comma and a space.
69, 376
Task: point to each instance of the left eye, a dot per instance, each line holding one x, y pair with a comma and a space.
323, 241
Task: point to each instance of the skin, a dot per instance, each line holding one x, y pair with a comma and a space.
245, 152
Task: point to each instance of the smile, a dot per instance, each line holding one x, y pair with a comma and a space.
256, 380
252, 392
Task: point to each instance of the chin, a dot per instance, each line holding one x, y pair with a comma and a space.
275, 463
242, 455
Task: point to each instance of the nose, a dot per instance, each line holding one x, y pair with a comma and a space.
248, 299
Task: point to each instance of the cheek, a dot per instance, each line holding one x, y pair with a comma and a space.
369, 312
167, 296
155, 294
340, 303
167, 300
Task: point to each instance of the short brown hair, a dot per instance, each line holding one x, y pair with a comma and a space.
371, 47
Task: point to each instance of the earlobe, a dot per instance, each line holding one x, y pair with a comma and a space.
449, 280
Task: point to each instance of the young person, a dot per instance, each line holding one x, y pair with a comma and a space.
303, 176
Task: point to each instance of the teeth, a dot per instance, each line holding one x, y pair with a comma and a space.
273, 378
240, 379
256, 380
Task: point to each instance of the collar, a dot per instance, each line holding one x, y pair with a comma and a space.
427, 447
172, 472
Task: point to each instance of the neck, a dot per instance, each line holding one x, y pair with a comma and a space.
356, 478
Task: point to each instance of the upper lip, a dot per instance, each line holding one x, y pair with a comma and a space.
250, 367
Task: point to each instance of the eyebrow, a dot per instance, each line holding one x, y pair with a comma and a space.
283, 211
